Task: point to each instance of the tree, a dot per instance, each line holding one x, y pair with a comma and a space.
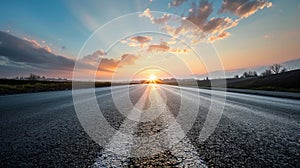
283, 70
267, 72
236, 76
249, 74
276, 68
33, 77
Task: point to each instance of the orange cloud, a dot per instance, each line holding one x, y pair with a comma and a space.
38, 45
163, 47
219, 36
106, 64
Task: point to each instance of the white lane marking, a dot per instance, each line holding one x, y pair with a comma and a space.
125, 144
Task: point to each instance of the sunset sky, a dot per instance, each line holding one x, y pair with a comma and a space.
183, 38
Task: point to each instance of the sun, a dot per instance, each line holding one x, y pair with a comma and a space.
152, 77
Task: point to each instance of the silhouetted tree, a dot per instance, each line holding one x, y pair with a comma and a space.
267, 72
236, 76
33, 77
249, 74
276, 68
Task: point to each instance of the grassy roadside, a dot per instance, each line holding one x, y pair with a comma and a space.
10, 86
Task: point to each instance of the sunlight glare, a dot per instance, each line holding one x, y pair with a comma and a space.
152, 77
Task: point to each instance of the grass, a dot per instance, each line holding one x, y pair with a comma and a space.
10, 86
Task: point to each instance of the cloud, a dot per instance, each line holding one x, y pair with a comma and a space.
219, 36
199, 15
161, 20
31, 53
158, 48
38, 45
216, 25
106, 64
244, 8
110, 65
174, 50
141, 39
176, 3
128, 59
147, 13
93, 59
164, 47
21, 57
198, 25
137, 41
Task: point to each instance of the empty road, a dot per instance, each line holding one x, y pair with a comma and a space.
155, 125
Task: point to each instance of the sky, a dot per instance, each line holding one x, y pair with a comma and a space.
131, 39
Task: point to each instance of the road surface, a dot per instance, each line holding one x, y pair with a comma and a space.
42, 130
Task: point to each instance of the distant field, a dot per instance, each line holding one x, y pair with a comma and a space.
10, 86
288, 81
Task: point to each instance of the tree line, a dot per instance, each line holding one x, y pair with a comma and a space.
274, 69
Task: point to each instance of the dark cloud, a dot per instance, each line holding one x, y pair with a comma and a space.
24, 56
141, 39
243, 8
198, 23
199, 14
31, 54
136, 41
216, 25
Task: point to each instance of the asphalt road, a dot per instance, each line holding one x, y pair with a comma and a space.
42, 129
